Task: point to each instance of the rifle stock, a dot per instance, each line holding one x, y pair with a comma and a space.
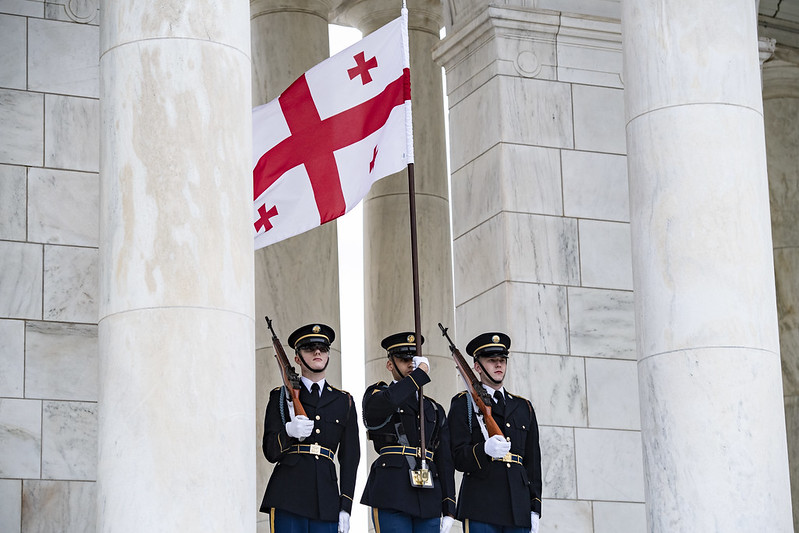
475, 388
290, 378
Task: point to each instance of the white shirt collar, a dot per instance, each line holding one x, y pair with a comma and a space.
491, 391
308, 383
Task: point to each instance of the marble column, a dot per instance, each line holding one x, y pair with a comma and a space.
296, 280
781, 117
712, 417
176, 329
388, 290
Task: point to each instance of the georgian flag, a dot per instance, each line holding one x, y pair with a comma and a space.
337, 129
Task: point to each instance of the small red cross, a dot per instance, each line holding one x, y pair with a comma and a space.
263, 222
362, 67
372, 162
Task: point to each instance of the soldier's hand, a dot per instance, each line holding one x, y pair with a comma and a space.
496, 447
299, 427
446, 524
420, 361
343, 522
534, 519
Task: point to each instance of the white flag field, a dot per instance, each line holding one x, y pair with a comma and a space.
341, 126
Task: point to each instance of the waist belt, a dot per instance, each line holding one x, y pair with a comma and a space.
406, 450
510, 458
312, 449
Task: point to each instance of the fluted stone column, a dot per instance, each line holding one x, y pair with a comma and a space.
781, 114
388, 290
296, 280
176, 309
709, 367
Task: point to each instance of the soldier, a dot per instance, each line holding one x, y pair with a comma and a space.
501, 487
401, 501
302, 495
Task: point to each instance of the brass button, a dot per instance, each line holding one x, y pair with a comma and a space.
318, 430
507, 424
317, 458
337, 421
317, 417
508, 464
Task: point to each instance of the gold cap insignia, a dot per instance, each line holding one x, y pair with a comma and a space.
316, 329
411, 338
495, 339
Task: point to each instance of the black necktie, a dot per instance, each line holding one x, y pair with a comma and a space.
313, 397
500, 401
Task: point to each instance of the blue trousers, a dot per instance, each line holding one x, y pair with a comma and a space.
470, 526
285, 522
389, 521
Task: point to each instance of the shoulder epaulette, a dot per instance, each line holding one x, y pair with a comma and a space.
377, 386
342, 391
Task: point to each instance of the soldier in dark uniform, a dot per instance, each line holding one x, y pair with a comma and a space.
391, 415
501, 487
303, 494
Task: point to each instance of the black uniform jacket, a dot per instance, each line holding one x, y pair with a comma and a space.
496, 492
389, 486
305, 484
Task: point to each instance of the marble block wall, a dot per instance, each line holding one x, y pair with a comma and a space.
542, 241
49, 191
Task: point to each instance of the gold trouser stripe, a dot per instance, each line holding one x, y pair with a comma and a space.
272, 520
466, 526
375, 520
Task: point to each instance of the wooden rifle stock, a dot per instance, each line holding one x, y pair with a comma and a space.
290, 378
475, 388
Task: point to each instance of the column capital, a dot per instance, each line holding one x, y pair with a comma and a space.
781, 73
321, 8
765, 48
368, 15
531, 43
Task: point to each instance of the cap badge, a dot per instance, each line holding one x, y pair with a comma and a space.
411, 338
316, 329
495, 339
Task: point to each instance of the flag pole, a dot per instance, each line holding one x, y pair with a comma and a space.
417, 321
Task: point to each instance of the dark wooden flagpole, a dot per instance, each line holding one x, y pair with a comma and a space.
417, 321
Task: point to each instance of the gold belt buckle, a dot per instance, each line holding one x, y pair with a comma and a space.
507, 458
316, 449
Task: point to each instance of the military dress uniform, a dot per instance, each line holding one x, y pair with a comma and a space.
391, 415
304, 481
501, 492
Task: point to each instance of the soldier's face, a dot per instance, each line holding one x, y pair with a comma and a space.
399, 367
495, 366
315, 355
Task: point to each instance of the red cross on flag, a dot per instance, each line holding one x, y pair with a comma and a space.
337, 129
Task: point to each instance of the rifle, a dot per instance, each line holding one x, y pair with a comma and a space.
290, 378
481, 398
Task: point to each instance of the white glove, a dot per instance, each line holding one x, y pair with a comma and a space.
446, 524
496, 447
343, 522
418, 360
299, 427
534, 518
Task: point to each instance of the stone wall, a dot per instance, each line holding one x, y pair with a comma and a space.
542, 243
49, 190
